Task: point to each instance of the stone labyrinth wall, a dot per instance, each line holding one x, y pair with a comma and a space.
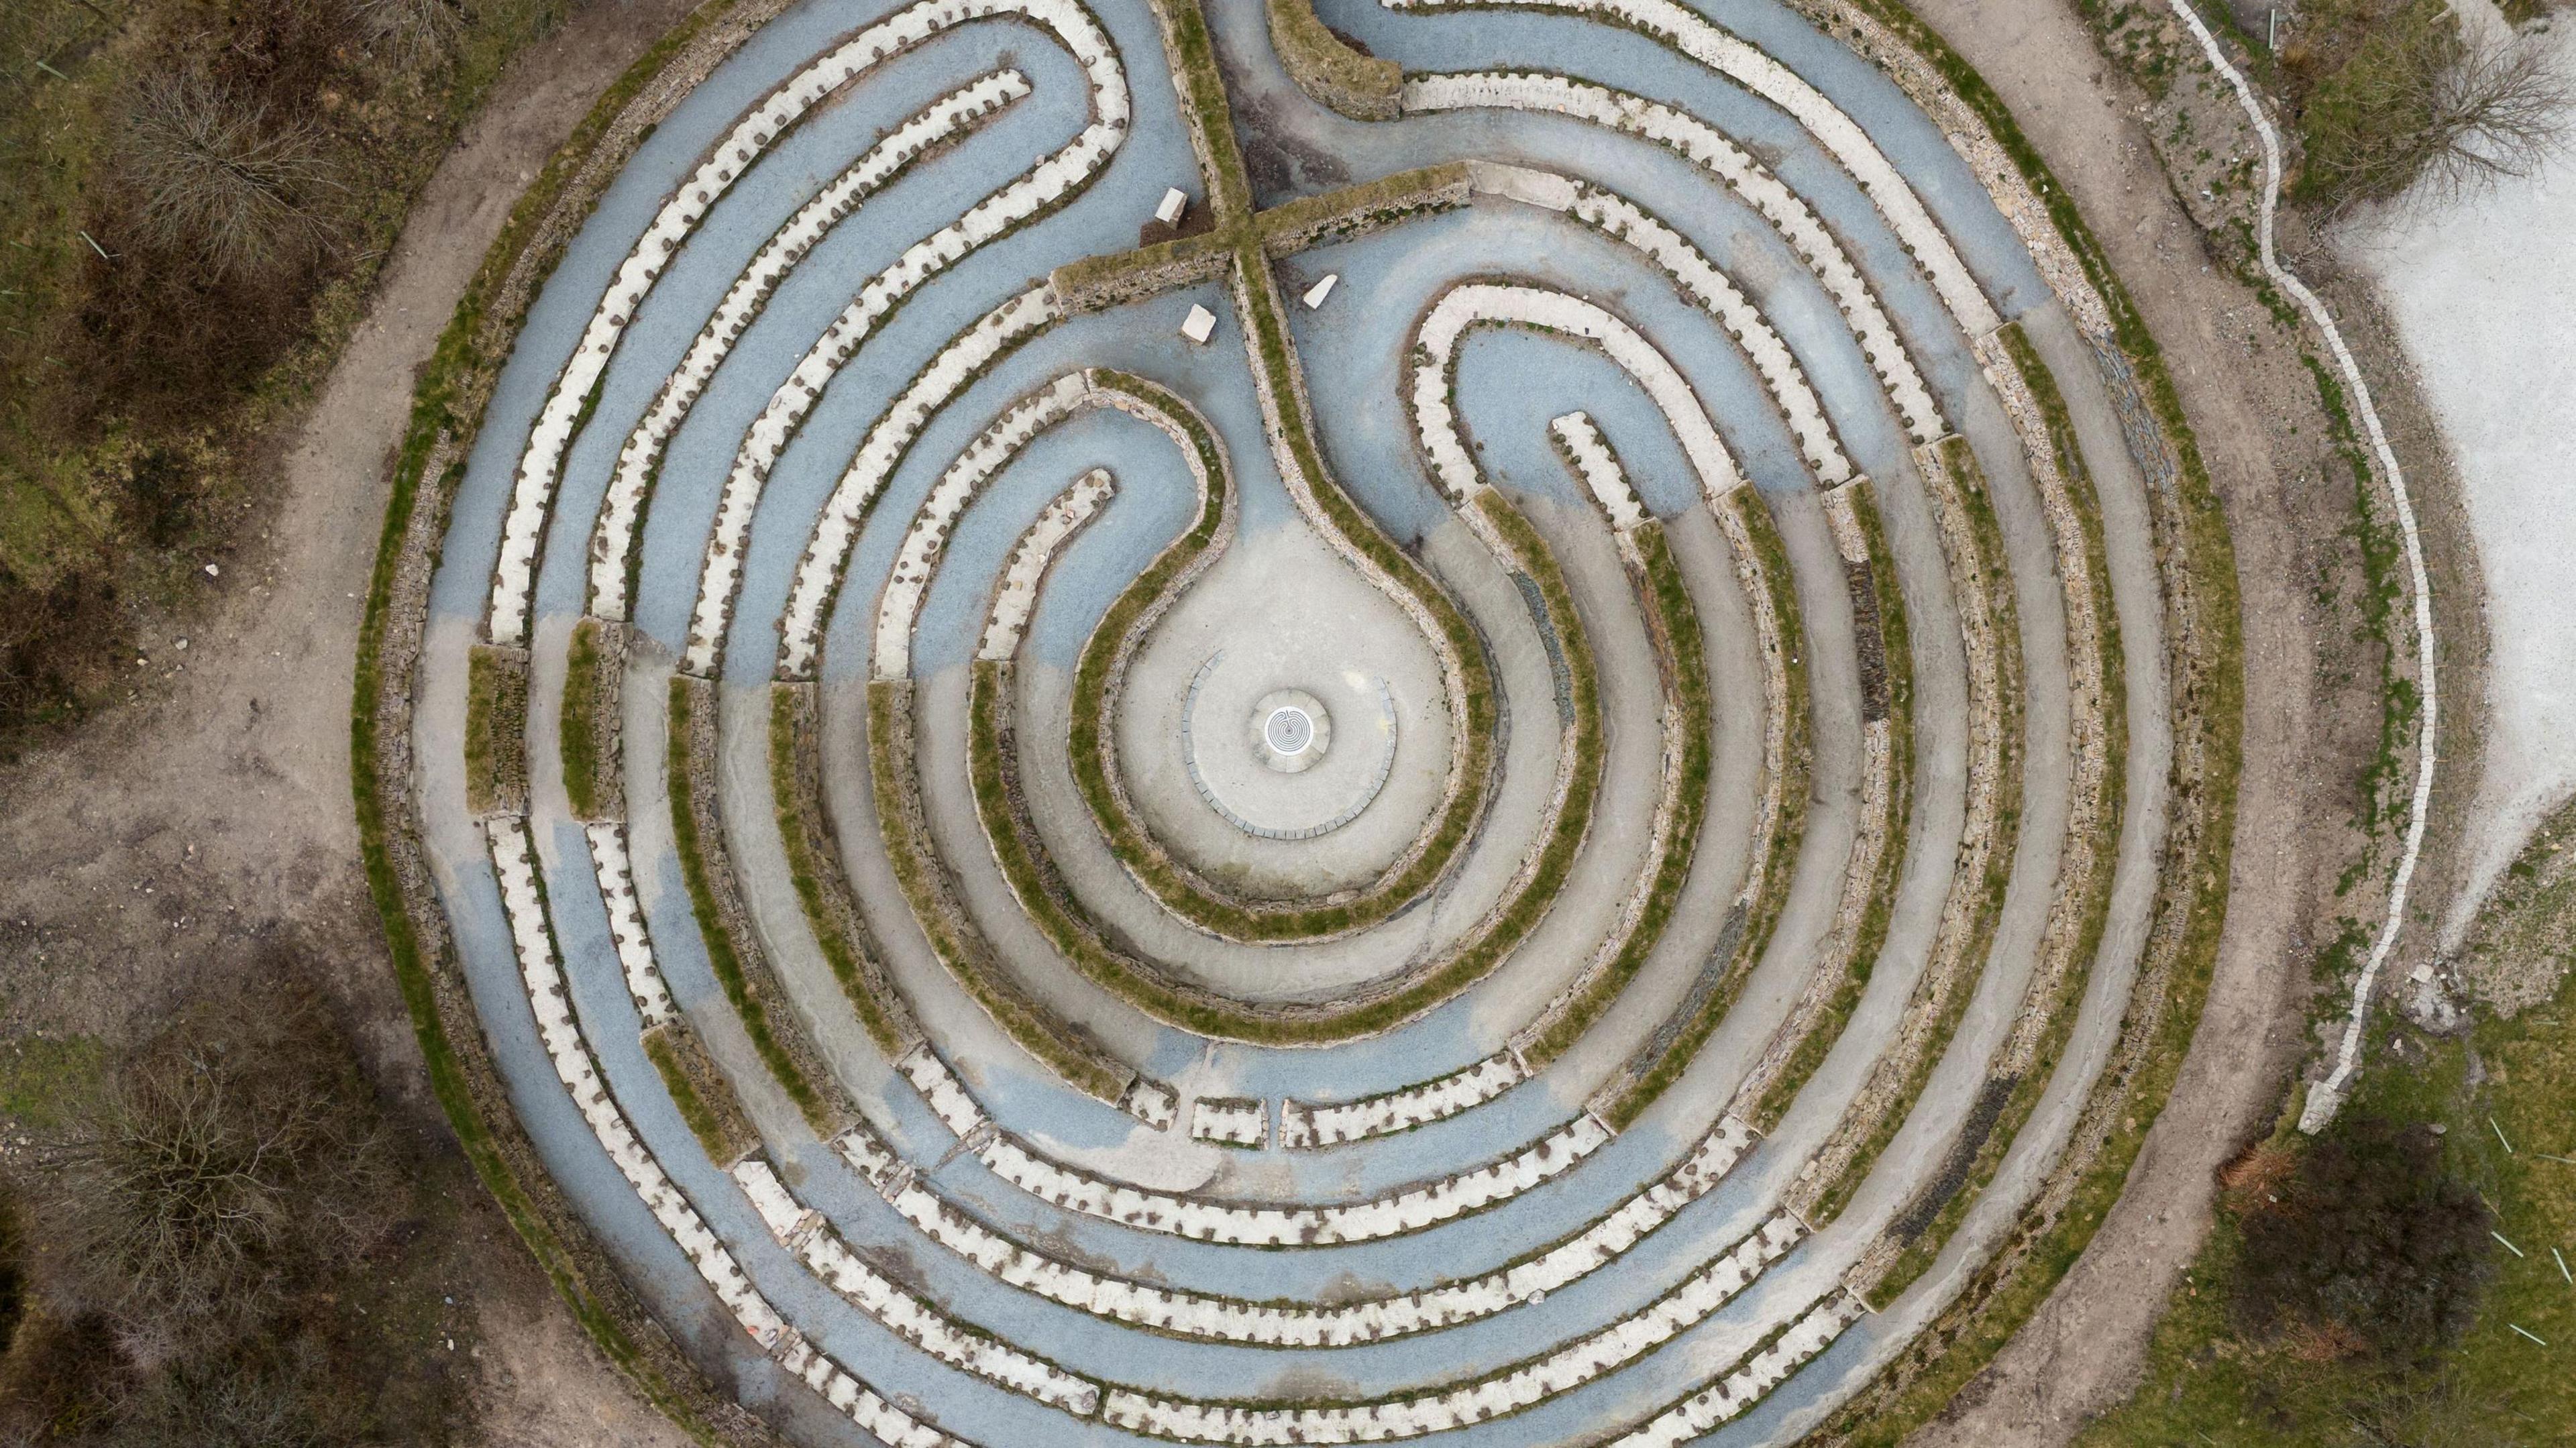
1559, 833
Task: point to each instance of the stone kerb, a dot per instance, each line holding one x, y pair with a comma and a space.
1816, 245
523, 900
835, 532
808, 1076
1054, 180
639, 461
1526, 1279
1990, 635
1327, 67
568, 402
1860, 914
822, 881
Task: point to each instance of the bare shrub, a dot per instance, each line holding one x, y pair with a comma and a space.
415, 34
217, 179
2393, 97
2374, 1246
209, 1173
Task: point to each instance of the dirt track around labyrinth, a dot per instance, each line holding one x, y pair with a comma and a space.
186, 830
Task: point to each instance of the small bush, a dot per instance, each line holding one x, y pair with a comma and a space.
2371, 1246
2390, 94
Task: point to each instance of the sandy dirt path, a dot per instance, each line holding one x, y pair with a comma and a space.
210, 818
2082, 1351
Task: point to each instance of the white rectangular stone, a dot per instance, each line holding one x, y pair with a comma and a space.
1200, 324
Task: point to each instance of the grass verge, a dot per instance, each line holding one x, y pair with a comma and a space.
1935, 1218
446, 411
814, 867
1059, 1044
496, 730
1941, 998
1331, 69
693, 823
2206, 633
703, 1097
1675, 1044
588, 683
1672, 624
1069, 927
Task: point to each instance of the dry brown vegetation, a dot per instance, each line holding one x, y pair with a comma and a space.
194, 196
229, 1243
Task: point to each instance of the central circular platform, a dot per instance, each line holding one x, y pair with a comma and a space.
1291, 750
1288, 732
1291, 730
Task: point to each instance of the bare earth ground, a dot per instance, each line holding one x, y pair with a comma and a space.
2082, 1351
186, 830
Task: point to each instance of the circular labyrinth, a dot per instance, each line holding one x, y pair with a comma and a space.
1522, 782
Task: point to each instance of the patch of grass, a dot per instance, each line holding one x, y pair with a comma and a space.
1946, 993
814, 866
1670, 1051
1062, 1046
2382, 800
578, 730
2204, 617
1192, 53
1351, 210
2052, 998
700, 1093
689, 815
1331, 69
496, 729
44, 1078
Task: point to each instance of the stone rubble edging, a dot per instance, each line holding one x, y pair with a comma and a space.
522, 895
639, 461
567, 405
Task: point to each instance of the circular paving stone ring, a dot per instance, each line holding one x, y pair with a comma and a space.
1127, 722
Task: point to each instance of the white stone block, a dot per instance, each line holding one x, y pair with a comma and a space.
1175, 203
1200, 324
1315, 294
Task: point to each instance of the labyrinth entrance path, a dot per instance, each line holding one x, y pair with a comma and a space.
1253, 725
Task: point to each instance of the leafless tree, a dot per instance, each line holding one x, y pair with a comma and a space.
217, 179
178, 1182
199, 1180
2446, 113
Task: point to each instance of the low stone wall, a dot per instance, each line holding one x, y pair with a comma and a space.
742, 967
822, 882
496, 730
1991, 635
1331, 69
